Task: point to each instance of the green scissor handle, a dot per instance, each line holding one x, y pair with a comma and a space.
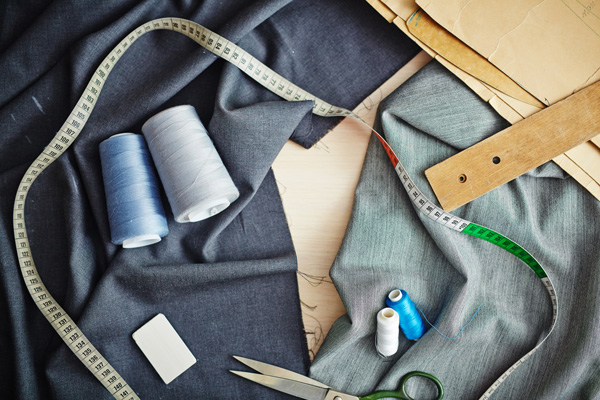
401, 392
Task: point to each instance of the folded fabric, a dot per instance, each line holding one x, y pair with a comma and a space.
227, 284
390, 245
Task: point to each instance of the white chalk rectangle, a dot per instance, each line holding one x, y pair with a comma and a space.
164, 348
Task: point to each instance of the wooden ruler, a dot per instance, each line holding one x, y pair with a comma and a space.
517, 149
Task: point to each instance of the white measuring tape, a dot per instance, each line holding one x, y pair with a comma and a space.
56, 315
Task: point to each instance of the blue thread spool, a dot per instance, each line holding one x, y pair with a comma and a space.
411, 323
135, 211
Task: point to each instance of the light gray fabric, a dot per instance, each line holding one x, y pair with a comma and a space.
448, 274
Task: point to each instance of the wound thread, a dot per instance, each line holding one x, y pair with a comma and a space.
410, 320
196, 182
388, 332
135, 212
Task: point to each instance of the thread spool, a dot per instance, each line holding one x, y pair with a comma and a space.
388, 332
196, 182
410, 320
135, 212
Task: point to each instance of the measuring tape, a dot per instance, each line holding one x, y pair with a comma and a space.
56, 315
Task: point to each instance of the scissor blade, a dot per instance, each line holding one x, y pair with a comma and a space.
272, 370
295, 388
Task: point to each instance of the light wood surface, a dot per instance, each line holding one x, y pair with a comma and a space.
317, 189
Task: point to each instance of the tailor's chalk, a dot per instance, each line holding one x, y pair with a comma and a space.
164, 348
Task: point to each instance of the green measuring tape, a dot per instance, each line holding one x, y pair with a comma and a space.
56, 315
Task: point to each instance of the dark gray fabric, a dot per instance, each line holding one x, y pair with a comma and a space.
389, 245
228, 284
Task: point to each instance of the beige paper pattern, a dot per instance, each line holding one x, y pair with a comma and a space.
576, 163
550, 47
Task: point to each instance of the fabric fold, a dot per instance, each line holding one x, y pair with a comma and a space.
227, 284
390, 245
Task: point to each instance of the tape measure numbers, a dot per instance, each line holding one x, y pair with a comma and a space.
56, 315
70, 333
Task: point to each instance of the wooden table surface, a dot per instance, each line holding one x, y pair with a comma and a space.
317, 189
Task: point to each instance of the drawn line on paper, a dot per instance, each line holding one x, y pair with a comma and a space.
581, 19
588, 9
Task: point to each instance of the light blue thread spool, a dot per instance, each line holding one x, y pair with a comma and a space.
411, 323
135, 211
195, 179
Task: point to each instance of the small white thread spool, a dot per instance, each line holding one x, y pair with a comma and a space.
196, 182
388, 332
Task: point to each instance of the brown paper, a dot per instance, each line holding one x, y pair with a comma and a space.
461, 55
511, 109
549, 47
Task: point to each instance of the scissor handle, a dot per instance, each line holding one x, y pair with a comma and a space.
401, 392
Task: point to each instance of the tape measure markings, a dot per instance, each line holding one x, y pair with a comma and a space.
481, 232
206, 39
424, 205
62, 323
269, 79
252, 67
506, 244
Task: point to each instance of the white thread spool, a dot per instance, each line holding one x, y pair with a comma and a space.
196, 182
388, 332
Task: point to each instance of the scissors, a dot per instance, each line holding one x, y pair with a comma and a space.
309, 389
